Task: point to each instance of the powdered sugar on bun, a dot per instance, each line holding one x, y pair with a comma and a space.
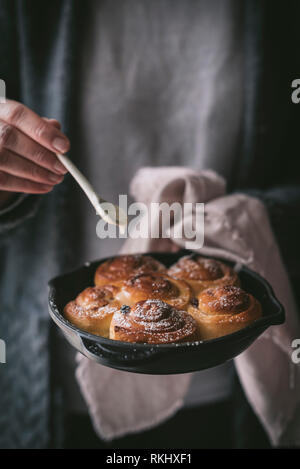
119, 268
153, 322
201, 273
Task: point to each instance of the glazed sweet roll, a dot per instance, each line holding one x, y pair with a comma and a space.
93, 309
157, 286
201, 273
152, 322
223, 310
116, 270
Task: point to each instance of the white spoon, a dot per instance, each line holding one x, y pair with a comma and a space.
113, 217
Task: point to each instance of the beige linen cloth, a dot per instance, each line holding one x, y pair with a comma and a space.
236, 228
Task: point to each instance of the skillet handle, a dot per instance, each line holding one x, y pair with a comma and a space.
100, 352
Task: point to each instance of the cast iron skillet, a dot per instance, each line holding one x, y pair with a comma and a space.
167, 358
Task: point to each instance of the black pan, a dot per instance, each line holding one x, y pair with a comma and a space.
167, 358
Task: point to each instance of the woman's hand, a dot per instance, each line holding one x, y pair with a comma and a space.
28, 144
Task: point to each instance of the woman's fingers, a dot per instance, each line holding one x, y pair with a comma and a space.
38, 129
17, 166
28, 147
15, 184
17, 142
53, 122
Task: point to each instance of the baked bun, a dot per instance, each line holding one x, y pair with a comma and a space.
93, 308
116, 270
222, 310
155, 286
201, 273
152, 322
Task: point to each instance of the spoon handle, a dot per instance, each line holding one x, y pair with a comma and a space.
119, 218
81, 180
